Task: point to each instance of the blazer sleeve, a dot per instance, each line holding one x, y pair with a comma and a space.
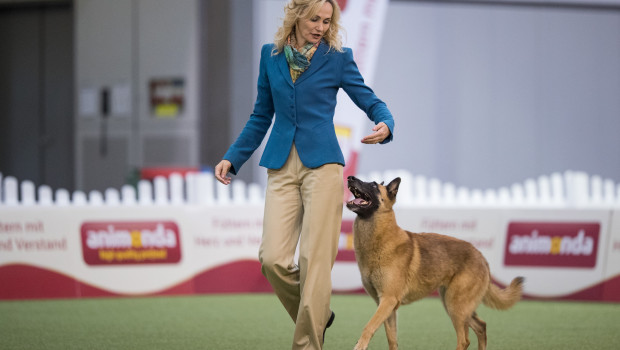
353, 84
256, 128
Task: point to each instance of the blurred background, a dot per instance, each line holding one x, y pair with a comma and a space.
95, 94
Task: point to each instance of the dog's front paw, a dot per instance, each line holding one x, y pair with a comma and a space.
360, 346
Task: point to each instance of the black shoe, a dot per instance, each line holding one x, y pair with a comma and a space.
329, 323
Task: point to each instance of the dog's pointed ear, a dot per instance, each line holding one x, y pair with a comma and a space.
392, 187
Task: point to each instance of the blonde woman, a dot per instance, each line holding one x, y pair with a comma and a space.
299, 77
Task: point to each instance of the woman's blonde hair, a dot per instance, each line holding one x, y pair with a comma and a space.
305, 9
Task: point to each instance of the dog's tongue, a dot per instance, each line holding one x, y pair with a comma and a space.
358, 201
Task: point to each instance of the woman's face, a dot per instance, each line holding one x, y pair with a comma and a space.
312, 30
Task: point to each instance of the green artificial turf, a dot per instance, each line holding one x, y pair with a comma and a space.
257, 321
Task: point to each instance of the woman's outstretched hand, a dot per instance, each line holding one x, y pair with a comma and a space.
381, 132
221, 170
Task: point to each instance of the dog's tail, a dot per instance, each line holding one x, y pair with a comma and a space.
503, 299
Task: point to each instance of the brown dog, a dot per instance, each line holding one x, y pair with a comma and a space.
400, 267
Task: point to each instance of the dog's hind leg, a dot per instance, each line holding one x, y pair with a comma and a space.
461, 298
386, 307
460, 309
480, 328
458, 320
462, 334
391, 331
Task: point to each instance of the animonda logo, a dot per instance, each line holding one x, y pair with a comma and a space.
552, 244
140, 242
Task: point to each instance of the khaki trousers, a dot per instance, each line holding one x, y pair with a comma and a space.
302, 205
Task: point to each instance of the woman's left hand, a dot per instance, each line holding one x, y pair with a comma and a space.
381, 132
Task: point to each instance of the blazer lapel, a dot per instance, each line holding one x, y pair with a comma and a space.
283, 65
318, 59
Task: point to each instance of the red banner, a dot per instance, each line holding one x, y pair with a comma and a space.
552, 244
122, 243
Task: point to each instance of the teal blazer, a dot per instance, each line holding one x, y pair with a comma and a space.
304, 110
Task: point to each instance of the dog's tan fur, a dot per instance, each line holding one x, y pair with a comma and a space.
399, 267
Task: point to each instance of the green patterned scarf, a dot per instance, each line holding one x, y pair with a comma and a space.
298, 61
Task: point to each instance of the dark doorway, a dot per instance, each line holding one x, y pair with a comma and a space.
36, 93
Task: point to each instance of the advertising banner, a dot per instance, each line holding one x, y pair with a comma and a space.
552, 244
130, 242
73, 252
611, 288
561, 253
90, 251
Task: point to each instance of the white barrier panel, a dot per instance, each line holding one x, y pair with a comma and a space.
611, 291
571, 254
561, 253
163, 239
126, 251
136, 251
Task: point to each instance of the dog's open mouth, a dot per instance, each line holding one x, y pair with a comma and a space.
361, 199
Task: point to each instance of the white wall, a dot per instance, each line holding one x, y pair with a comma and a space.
485, 95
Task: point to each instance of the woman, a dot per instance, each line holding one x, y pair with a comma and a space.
299, 77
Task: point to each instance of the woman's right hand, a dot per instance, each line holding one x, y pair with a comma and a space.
221, 170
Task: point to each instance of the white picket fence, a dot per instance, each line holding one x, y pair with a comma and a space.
559, 190
569, 189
